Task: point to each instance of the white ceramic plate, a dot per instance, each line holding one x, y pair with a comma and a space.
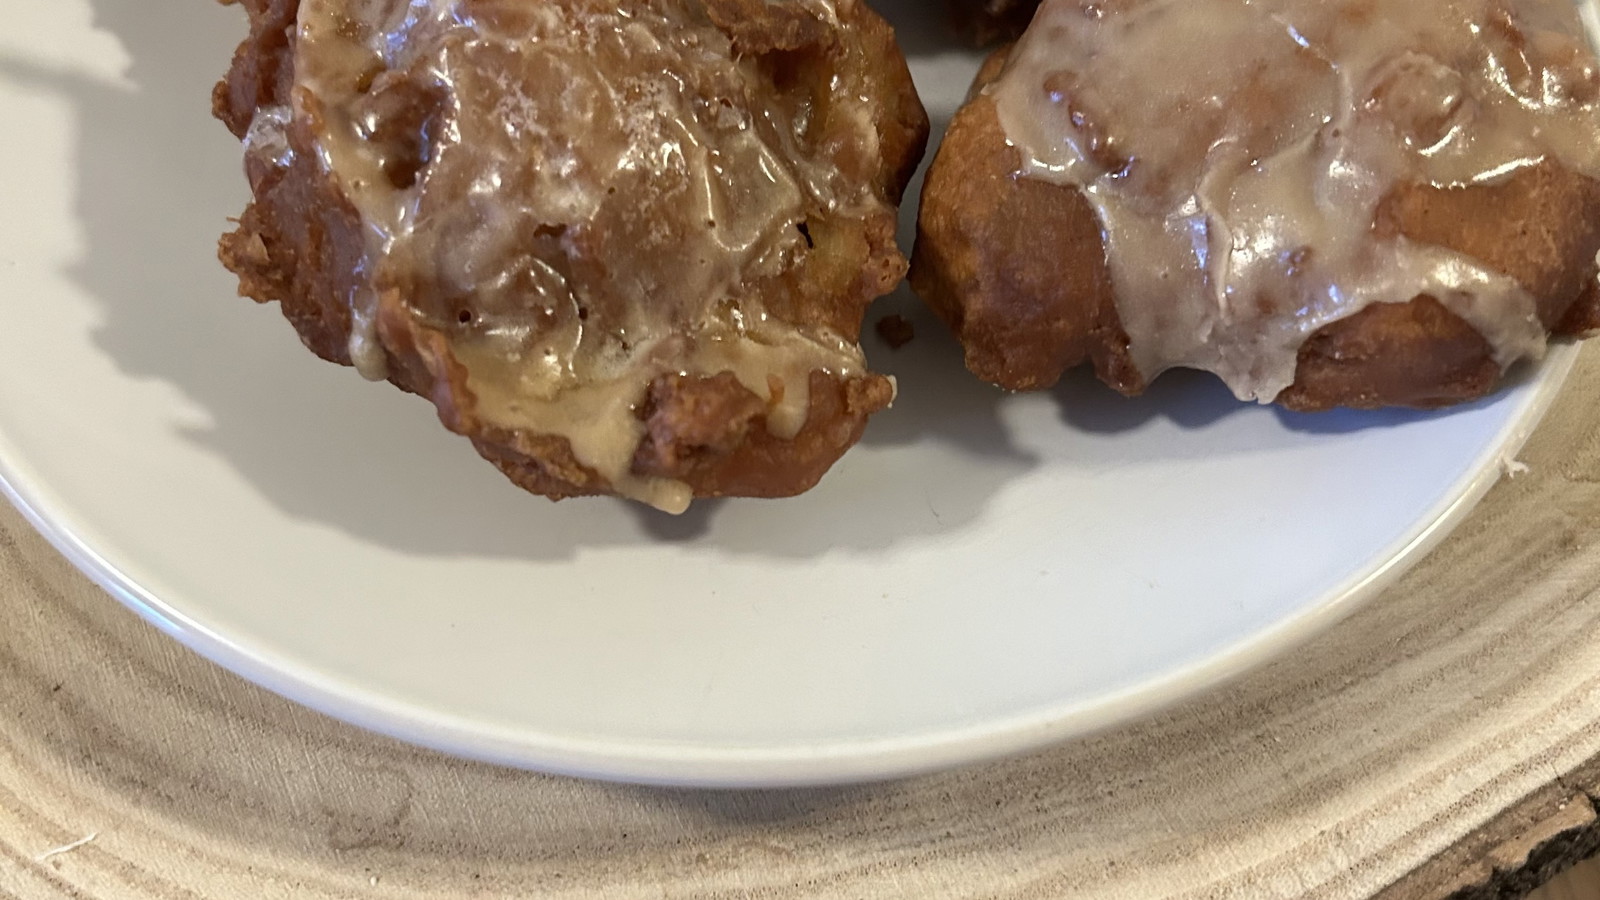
983, 575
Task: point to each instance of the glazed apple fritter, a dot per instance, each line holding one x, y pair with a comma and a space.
624, 247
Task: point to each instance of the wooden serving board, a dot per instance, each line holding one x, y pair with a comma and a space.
1446, 738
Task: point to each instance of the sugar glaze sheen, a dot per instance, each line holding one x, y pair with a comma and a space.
1238, 154
578, 193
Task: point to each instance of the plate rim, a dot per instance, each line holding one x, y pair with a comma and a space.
682, 764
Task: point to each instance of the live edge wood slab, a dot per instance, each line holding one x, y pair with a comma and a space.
1445, 741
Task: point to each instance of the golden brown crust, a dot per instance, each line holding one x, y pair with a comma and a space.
1539, 227
1415, 354
299, 243
1014, 266
1017, 268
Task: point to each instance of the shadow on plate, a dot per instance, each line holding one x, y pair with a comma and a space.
157, 179
1187, 398
1195, 400
924, 27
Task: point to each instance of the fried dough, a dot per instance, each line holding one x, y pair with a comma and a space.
624, 248
1023, 268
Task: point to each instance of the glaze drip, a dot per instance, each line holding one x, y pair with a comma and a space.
1238, 154
579, 194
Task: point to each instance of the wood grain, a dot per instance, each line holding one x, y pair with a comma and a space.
1581, 883
1338, 772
